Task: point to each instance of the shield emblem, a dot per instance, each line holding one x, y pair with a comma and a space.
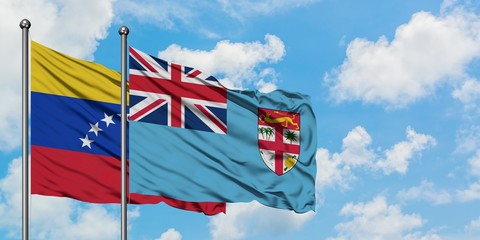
279, 139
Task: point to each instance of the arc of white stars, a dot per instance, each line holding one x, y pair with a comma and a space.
94, 128
108, 119
86, 142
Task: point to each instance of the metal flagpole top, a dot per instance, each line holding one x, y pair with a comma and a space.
26, 24
122, 31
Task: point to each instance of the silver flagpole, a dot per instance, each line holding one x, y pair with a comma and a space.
25, 26
123, 31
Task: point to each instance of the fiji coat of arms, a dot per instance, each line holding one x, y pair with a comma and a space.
279, 139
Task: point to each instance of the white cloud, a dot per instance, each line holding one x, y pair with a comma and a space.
59, 24
470, 194
170, 234
474, 163
11, 195
337, 168
53, 217
134, 213
243, 9
420, 236
471, 231
398, 157
448, 5
245, 219
473, 226
468, 139
238, 63
265, 87
377, 220
331, 171
468, 93
425, 191
268, 80
411, 66
355, 150
90, 222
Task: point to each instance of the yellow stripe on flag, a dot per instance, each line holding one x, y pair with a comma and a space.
59, 74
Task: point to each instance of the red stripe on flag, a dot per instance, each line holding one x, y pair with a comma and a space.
212, 118
147, 109
194, 74
278, 163
140, 59
176, 104
183, 89
284, 147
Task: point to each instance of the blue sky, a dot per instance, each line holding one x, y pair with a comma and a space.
394, 85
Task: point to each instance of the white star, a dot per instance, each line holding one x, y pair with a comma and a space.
94, 128
108, 119
86, 142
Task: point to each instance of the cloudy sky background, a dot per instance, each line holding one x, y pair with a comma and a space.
394, 85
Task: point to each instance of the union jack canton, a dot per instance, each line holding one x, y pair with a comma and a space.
174, 95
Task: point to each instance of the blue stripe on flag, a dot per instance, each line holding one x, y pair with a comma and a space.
60, 122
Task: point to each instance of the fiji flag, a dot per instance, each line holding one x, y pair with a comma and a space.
195, 140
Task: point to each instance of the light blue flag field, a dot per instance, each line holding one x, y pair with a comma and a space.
194, 140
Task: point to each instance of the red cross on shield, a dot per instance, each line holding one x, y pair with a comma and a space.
279, 139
